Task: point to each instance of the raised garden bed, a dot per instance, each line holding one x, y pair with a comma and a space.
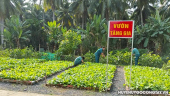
7, 63
30, 74
147, 79
86, 76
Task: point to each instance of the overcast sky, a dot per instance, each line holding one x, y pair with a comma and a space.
38, 1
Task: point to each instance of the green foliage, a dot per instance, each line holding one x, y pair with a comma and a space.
151, 60
147, 78
165, 58
95, 33
156, 32
89, 57
24, 53
88, 75
68, 57
34, 71
5, 53
7, 63
54, 32
143, 51
166, 66
117, 59
70, 42
121, 50
16, 31
120, 58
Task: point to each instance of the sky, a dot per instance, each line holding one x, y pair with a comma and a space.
38, 1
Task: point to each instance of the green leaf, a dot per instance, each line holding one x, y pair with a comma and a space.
146, 42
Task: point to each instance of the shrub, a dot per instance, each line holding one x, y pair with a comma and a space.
5, 53
165, 58
70, 42
68, 57
151, 60
142, 51
166, 66
120, 58
23, 53
89, 57
121, 50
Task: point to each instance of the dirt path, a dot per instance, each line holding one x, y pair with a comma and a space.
40, 87
118, 81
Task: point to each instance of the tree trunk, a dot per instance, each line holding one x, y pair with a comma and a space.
83, 21
2, 30
18, 45
40, 3
53, 16
43, 18
107, 14
53, 10
141, 16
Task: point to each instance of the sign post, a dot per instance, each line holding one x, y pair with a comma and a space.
120, 29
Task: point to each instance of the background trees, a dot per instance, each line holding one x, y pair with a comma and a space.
7, 8
87, 18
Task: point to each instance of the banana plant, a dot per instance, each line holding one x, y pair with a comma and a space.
17, 30
155, 31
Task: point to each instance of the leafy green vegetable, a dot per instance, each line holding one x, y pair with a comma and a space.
34, 71
87, 75
147, 78
7, 63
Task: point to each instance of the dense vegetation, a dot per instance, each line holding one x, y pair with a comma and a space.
68, 28
147, 78
49, 24
88, 75
34, 71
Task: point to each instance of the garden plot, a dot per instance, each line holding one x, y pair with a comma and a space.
33, 73
147, 78
7, 63
86, 76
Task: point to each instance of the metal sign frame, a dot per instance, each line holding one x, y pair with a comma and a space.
119, 37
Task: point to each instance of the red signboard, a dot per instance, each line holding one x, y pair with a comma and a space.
120, 29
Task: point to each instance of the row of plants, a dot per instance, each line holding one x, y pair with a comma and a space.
22, 53
36, 71
166, 66
147, 78
121, 57
88, 75
124, 58
7, 62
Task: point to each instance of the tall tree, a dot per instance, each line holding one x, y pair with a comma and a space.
7, 8
80, 9
17, 30
165, 8
143, 9
53, 5
65, 17
109, 9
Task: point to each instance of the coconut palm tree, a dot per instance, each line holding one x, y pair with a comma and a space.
165, 8
53, 5
143, 9
7, 8
65, 16
109, 8
80, 9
